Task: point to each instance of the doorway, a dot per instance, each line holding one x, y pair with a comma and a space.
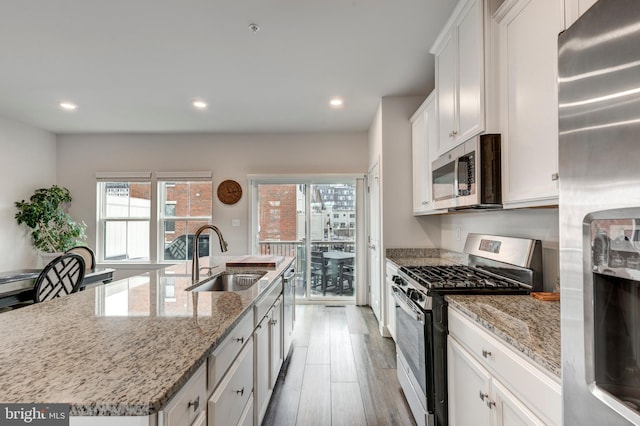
317, 220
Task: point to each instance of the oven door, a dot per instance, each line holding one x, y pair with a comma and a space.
415, 345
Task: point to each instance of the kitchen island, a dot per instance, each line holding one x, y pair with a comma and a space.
122, 349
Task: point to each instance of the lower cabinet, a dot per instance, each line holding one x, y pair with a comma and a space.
477, 398
491, 384
275, 341
262, 368
391, 271
230, 399
189, 403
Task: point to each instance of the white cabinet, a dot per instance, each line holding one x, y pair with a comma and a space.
391, 270
262, 368
575, 8
275, 341
230, 399
268, 352
460, 76
468, 387
477, 398
490, 384
424, 136
527, 38
189, 402
224, 354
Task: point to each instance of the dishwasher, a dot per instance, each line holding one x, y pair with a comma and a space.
289, 284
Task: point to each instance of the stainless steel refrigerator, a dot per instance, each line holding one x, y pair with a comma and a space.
599, 155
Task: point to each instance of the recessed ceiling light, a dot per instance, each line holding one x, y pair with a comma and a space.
254, 28
199, 104
336, 102
68, 106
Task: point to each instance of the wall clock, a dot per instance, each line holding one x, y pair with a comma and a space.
229, 191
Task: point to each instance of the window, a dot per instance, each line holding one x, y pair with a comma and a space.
124, 215
134, 206
187, 206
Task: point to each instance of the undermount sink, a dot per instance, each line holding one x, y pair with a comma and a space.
230, 281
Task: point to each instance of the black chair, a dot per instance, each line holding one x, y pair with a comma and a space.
63, 275
88, 256
318, 269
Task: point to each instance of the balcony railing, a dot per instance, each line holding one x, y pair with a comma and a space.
297, 248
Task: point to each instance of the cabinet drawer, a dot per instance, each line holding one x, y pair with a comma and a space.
226, 352
536, 388
188, 402
262, 307
229, 400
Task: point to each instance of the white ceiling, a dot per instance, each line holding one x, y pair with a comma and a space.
136, 65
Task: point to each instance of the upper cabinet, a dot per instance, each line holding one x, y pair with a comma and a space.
527, 33
424, 133
575, 8
460, 76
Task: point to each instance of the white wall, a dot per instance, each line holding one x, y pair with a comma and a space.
392, 137
29, 162
230, 156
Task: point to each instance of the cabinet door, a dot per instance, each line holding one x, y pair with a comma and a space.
262, 368
470, 102
528, 33
226, 405
275, 330
185, 407
420, 158
469, 385
509, 411
446, 84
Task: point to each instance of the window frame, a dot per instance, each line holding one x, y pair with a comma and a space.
156, 213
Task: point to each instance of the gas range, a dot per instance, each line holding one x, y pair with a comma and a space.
461, 278
496, 265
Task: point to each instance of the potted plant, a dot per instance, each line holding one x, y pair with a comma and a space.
52, 229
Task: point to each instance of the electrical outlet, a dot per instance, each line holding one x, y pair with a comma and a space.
235, 223
457, 234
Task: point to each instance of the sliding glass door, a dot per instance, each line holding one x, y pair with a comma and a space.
316, 221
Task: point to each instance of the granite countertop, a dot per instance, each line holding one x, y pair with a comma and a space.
526, 324
423, 257
123, 348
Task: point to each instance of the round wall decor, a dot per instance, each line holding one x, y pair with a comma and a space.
229, 191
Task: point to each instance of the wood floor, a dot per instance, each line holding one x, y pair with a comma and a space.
341, 372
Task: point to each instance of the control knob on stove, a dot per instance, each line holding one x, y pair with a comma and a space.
396, 279
415, 295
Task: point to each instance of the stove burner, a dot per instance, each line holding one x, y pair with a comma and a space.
459, 277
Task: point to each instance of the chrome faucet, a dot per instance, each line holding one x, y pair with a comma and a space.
195, 265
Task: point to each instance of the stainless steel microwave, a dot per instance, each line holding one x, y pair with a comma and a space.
469, 176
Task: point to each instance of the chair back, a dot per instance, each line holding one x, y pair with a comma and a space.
87, 254
63, 275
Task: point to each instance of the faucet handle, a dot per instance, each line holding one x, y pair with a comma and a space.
209, 269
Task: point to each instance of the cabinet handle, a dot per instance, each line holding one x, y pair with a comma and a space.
273, 322
240, 340
240, 391
483, 395
555, 176
490, 403
425, 203
453, 133
195, 403
486, 354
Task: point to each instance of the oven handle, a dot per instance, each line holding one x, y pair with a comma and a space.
407, 305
